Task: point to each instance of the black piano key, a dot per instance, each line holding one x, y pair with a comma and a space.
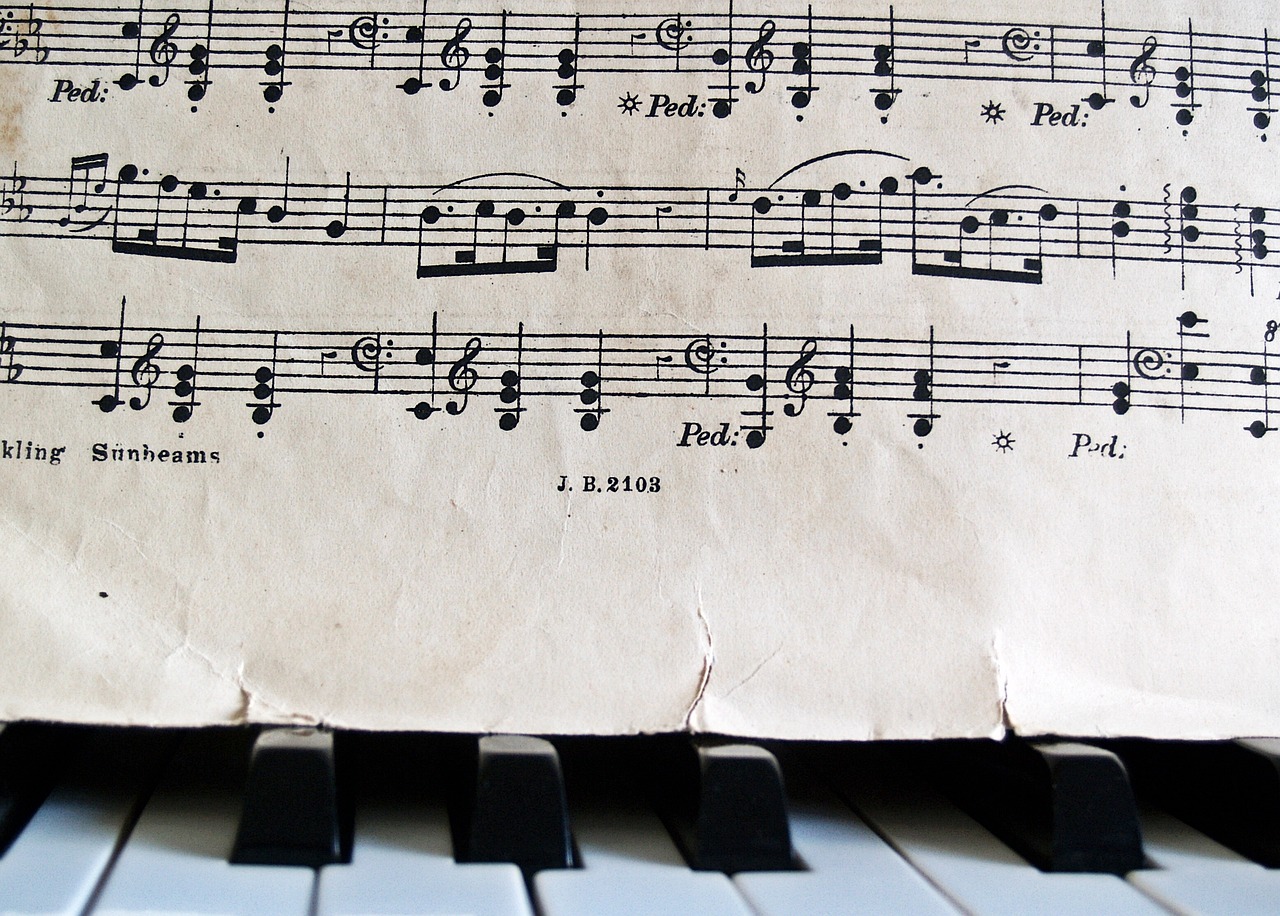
516, 809
726, 806
1228, 790
291, 814
1063, 806
31, 758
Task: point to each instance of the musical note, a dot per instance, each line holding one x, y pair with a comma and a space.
84, 169
1023, 262
758, 382
1185, 89
509, 395
463, 376
1190, 370
113, 350
1189, 232
1260, 88
802, 65
495, 71
759, 59
148, 240
264, 389
568, 59
593, 409
1259, 376
185, 387
800, 378
468, 261
883, 53
279, 211
923, 391
426, 357
338, 227
454, 55
127, 81
843, 391
722, 106
1096, 48
417, 35
8, 352
274, 66
199, 83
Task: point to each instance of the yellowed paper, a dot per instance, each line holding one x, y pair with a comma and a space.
925, 417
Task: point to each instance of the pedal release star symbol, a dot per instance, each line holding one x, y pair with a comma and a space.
1003, 441
993, 112
629, 103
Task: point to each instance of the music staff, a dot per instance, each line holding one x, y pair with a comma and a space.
767, 377
719, 48
818, 214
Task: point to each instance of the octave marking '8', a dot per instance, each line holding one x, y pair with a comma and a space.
766, 379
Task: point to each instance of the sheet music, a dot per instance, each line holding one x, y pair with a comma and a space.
858, 370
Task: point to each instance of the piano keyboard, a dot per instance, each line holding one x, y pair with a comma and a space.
237, 821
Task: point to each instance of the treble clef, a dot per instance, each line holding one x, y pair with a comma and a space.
799, 378
454, 55
145, 372
163, 51
1141, 73
463, 377
758, 57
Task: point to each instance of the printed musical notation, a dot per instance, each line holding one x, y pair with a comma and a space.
733, 51
518, 223
769, 378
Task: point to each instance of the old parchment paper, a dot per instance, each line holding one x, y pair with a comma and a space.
358, 567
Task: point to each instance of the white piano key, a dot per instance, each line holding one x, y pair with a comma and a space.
1172, 843
1222, 889
631, 867
55, 864
975, 869
850, 869
1195, 875
402, 863
176, 859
